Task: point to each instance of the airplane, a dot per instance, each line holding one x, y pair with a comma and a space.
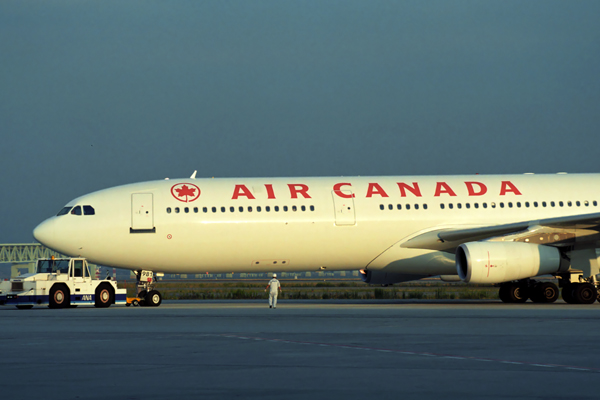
482, 229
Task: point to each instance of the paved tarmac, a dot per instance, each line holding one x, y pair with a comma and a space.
302, 350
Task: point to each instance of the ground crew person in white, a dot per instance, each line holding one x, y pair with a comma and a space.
272, 287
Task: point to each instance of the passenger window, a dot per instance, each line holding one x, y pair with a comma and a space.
543, 204
450, 206
204, 209
509, 204
276, 208
303, 208
560, 203
407, 207
294, 208
241, 209
381, 207
249, 209
527, 204
501, 205
258, 209
552, 204
518, 204
425, 206
285, 208
76, 210
493, 205
442, 206
176, 210
535, 203
232, 209
312, 208
459, 205
196, 210
168, 210
577, 203
484, 205
267, 208
223, 209
476, 205
88, 210
390, 207
214, 209
416, 206
187, 210
399, 206
586, 203
467, 205
595, 203
569, 203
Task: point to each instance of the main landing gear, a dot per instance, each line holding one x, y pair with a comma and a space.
146, 293
575, 290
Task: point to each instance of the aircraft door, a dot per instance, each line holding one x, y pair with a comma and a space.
142, 214
344, 207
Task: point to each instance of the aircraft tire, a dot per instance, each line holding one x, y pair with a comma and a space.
503, 293
545, 292
105, 295
153, 298
585, 293
142, 296
517, 293
60, 296
567, 293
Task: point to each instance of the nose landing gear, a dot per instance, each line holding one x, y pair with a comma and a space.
146, 293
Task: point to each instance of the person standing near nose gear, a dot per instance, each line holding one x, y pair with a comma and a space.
273, 286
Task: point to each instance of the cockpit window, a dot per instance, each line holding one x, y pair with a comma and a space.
76, 210
64, 211
88, 210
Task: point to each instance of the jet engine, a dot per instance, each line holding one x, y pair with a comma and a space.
496, 262
378, 277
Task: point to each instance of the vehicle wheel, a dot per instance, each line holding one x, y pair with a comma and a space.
517, 293
24, 307
105, 295
127, 304
135, 303
585, 293
60, 296
153, 298
503, 293
546, 292
567, 293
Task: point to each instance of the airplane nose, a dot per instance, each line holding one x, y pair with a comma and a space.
44, 233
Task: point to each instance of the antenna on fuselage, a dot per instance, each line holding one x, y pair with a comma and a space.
194, 175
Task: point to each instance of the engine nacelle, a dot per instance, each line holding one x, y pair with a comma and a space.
497, 262
378, 277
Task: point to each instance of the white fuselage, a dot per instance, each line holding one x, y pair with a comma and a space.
222, 225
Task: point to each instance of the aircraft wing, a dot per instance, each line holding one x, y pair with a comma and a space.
583, 230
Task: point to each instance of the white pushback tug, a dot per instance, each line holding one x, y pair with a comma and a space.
60, 283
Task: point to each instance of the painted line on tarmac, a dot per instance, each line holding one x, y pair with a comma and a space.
404, 352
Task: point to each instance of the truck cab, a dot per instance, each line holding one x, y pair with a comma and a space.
61, 283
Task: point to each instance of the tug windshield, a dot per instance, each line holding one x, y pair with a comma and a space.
52, 266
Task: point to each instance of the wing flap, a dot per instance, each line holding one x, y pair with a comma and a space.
561, 231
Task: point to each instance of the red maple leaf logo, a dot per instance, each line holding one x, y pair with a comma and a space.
185, 192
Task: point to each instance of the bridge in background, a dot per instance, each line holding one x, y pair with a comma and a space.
25, 252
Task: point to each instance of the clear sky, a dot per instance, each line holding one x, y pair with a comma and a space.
96, 94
